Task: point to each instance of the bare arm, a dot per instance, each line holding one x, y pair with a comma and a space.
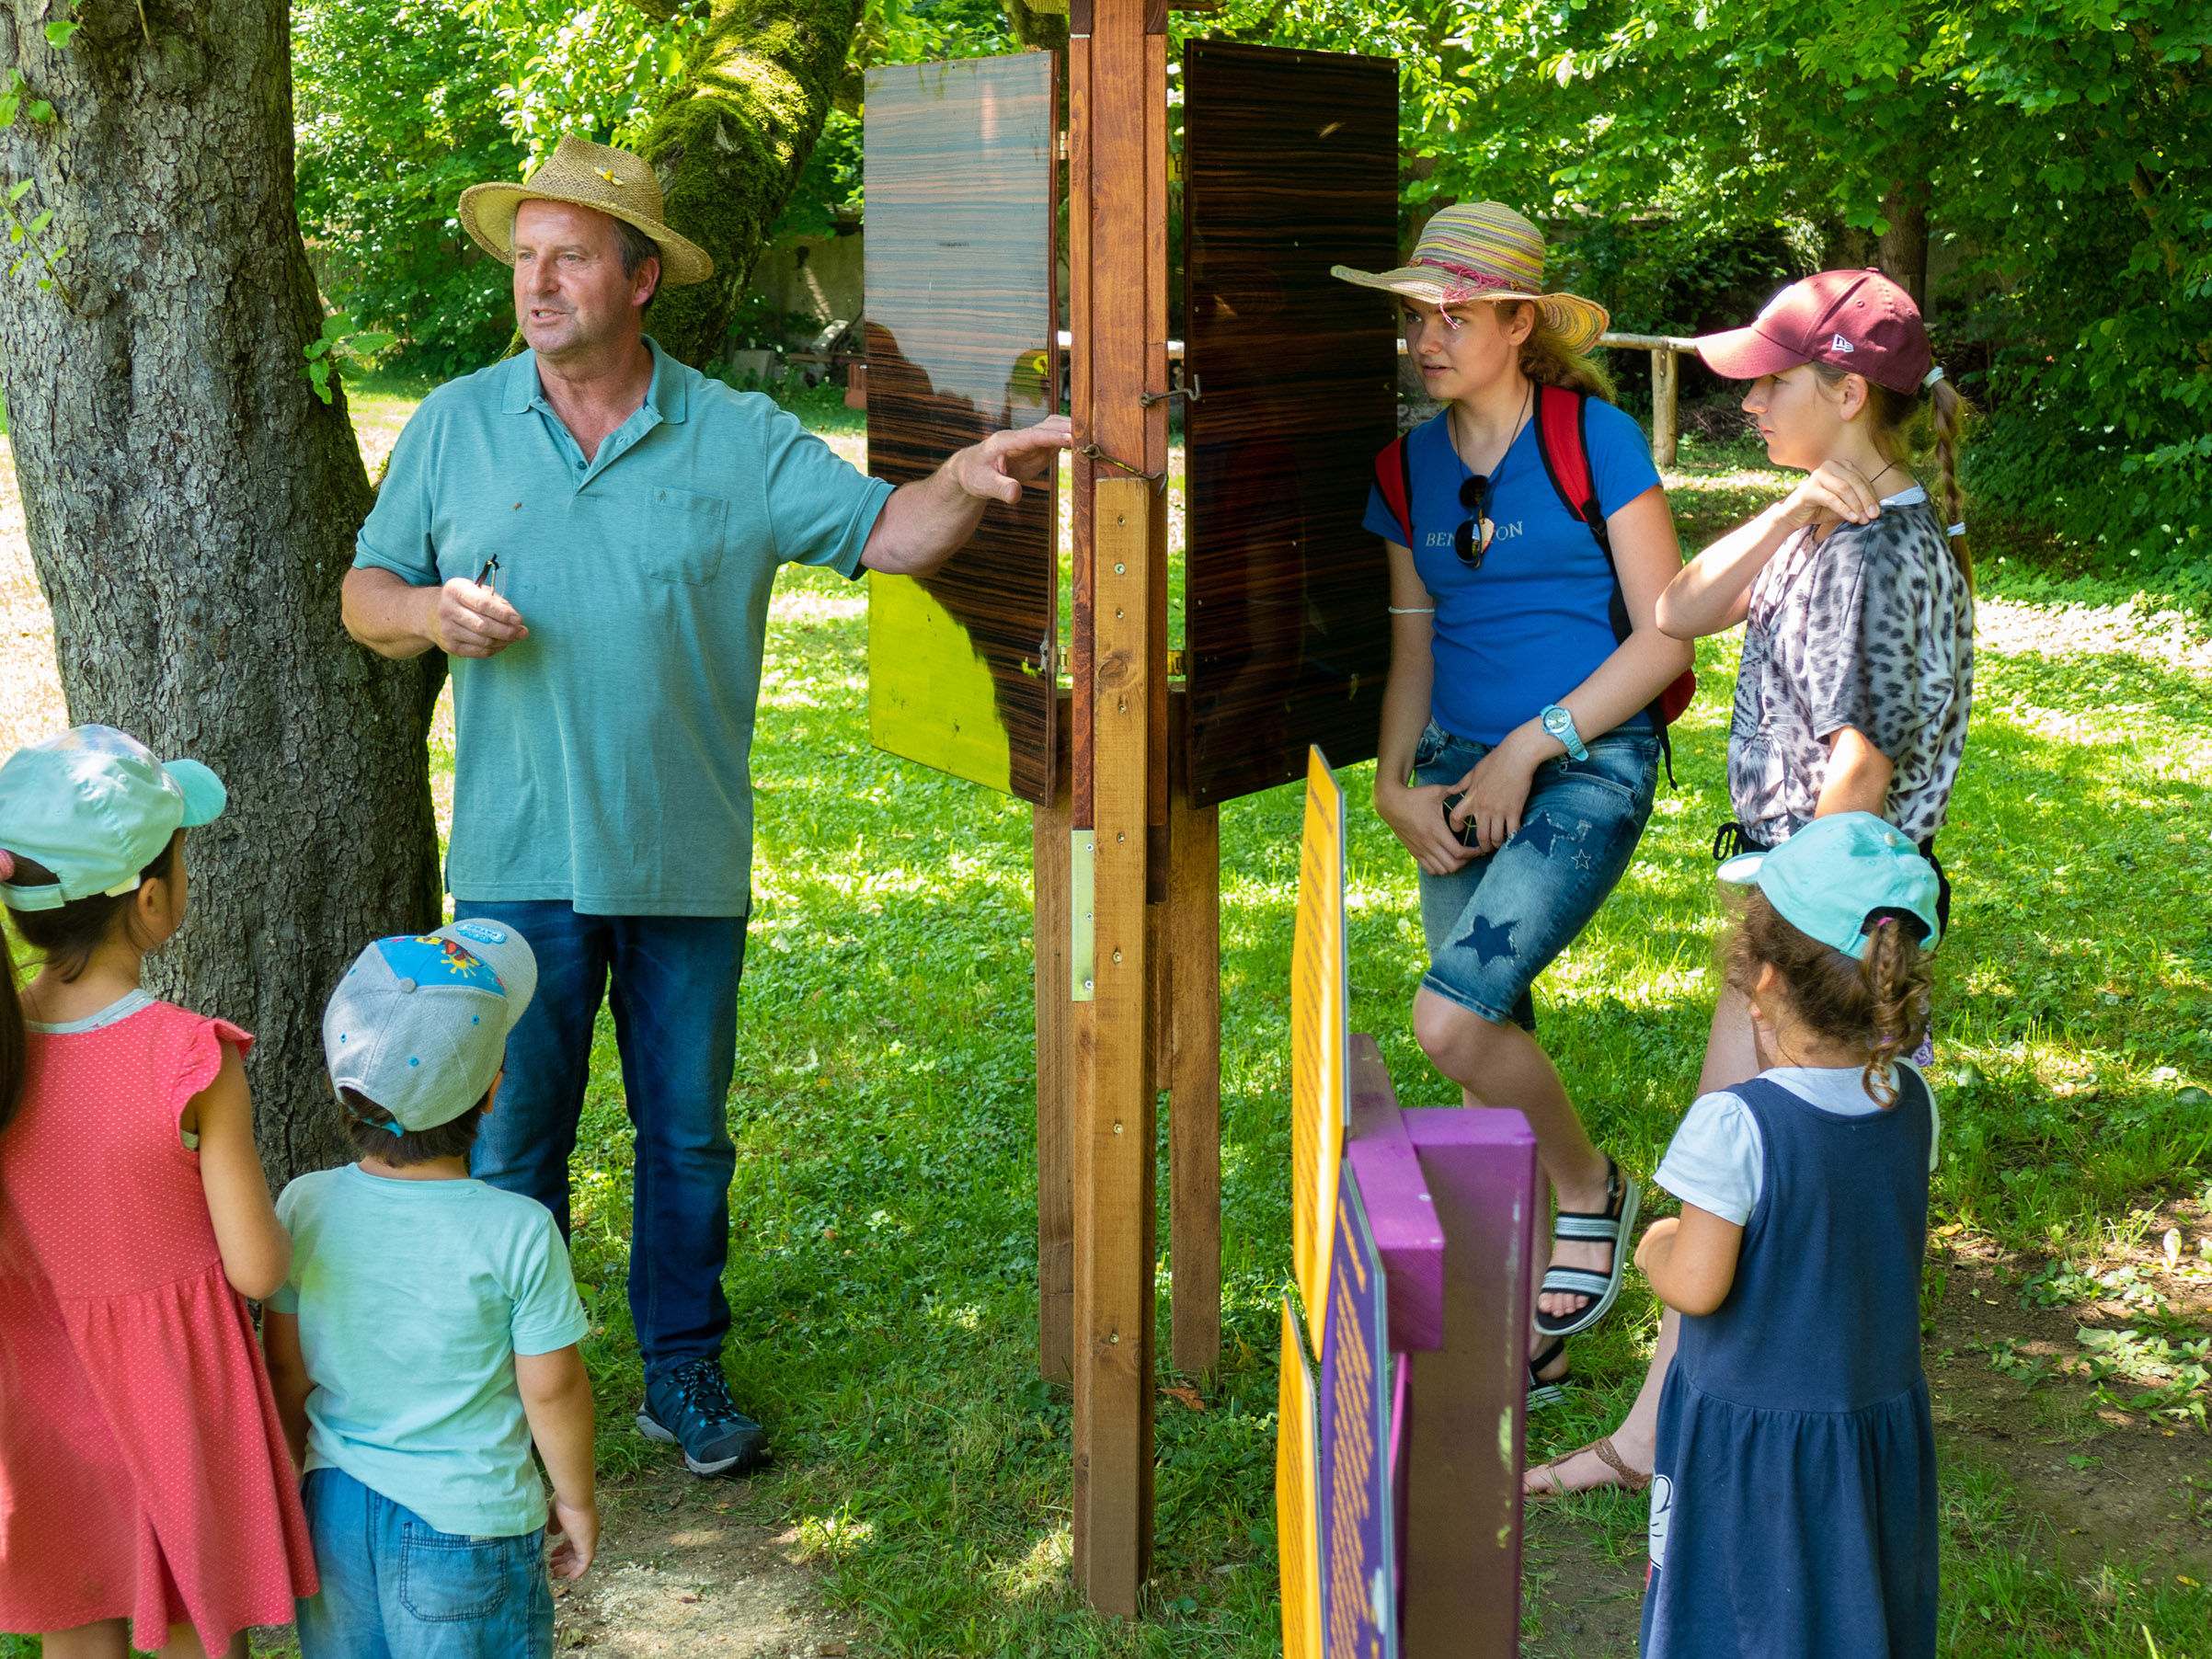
256, 1250
557, 1397
394, 619
1691, 1262
1858, 775
1713, 593
926, 523
1647, 556
1414, 811
288, 1377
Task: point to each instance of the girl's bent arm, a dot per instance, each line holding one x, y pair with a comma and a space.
256, 1250
288, 1377
1714, 591
1858, 775
1691, 1262
1415, 811
557, 1397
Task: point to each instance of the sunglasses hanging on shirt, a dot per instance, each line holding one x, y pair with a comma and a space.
1472, 540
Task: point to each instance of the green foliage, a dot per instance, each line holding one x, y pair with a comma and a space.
590, 71
396, 109
339, 344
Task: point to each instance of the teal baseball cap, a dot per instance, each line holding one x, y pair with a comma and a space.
95, 806
1839, 876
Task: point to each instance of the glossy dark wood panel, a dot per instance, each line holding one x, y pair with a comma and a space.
1290, 166
961, 175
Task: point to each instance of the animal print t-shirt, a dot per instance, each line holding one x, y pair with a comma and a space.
1874, 629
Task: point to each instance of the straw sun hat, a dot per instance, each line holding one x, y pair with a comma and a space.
1484, 250
594, 176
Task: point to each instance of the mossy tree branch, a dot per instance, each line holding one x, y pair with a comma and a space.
728, 137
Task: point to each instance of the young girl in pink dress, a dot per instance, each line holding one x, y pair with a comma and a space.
146, 1496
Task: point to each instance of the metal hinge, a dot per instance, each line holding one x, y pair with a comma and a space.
1083, 948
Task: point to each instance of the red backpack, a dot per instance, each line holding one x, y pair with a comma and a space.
1565, 449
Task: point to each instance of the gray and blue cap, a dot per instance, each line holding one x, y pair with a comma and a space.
420, 1023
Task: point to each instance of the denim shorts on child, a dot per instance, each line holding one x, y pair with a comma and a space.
396, 1587
1498, 921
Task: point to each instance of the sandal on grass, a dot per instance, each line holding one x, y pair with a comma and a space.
1633, 1480
1548, 1390
1581, 1227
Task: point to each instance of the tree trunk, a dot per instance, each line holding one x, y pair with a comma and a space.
191, 507
728, 137
1904, 256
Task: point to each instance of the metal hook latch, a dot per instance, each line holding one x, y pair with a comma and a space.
1189, 395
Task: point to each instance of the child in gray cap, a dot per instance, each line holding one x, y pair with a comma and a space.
428, 1331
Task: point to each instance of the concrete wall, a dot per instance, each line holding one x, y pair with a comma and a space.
818, 277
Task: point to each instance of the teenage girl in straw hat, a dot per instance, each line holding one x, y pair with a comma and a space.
1517, 759
1858, 660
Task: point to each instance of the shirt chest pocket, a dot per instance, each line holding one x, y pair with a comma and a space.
680, 535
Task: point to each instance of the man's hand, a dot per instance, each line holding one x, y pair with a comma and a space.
571, 1539
927, 521
998, 468
470, 621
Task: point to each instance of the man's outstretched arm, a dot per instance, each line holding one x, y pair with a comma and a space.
926, 523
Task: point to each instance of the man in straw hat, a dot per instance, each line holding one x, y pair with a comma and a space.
590, 530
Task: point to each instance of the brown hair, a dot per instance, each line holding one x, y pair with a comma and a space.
1880, 1000
67, 937
1896, 413
369, 1128
1548, 361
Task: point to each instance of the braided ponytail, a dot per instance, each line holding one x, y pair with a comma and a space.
1895, 971
1947, 419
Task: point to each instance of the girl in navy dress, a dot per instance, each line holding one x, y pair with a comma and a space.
1793, 1502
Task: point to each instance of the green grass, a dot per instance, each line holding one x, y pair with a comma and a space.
883, 1260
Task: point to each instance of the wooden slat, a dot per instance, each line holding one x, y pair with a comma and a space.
1055, 1088
1114, 1112
1666, 382
1194, 1117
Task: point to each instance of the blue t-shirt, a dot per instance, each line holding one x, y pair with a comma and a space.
1535, 620
413, 1298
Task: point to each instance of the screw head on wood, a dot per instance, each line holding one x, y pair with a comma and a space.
1121, 570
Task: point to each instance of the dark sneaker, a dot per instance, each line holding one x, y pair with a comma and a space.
691, 1407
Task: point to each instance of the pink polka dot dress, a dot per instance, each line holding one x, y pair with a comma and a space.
143, 1470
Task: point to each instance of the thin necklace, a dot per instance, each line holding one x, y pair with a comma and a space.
1451, 416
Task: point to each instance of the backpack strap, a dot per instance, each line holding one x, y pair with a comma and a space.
1395, 478
1564, 443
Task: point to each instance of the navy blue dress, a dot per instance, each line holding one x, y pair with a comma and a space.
1794, 1505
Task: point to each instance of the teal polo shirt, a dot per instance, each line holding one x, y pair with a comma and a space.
606, 760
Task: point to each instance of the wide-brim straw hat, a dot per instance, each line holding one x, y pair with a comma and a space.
1484, 250
613, 182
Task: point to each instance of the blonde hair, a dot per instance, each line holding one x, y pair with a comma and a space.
1896, 416
1548, 361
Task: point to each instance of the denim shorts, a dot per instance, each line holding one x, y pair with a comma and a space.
396, 1587
1497, 923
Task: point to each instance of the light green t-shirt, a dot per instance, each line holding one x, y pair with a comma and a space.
413, 1298
606, 760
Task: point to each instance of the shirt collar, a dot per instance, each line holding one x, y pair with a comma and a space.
668, 395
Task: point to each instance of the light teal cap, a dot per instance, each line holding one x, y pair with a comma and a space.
94, 806
1838, 876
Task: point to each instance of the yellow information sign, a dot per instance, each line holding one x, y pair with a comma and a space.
1320, 1041
1297, 1471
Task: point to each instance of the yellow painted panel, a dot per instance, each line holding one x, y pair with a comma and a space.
1296, 1534
1320, 1041
930, 691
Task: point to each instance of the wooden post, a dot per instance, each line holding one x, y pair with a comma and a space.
1116, 205
1192, 1013
1055, 1085
1663, 382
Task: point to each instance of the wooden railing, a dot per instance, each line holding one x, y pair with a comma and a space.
1665, 385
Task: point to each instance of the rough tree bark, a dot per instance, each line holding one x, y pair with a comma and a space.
191, 507
728, 137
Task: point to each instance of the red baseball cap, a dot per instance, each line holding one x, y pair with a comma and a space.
1858, 320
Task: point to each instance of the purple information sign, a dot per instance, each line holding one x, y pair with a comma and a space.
1359, 1565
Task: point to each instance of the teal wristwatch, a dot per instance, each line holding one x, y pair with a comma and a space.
1560, 723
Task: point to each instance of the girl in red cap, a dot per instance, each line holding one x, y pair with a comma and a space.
1857, 667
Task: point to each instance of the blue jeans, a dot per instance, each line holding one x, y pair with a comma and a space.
1497, 923
396, 1587
674, 981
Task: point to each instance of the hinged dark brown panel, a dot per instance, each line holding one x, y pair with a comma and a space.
1291, 166
961, 182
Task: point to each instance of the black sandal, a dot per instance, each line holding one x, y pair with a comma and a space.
1580, 1226
1548, 1390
